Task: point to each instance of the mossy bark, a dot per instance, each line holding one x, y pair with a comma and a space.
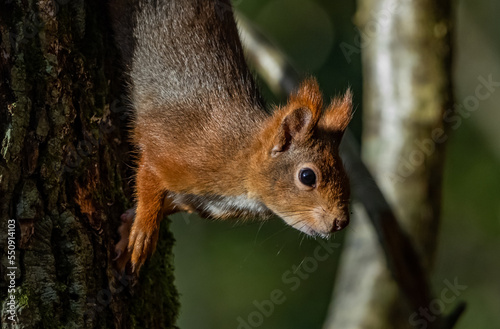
65, 174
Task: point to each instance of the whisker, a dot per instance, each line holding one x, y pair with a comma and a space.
258, 231
274, 234
302, 240
279, 251
298, 266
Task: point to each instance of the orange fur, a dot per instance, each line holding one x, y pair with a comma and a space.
206, 143
338, 114
309, 96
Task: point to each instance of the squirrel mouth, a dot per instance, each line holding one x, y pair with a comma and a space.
304, 228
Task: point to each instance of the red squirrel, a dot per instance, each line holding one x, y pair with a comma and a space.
206, 142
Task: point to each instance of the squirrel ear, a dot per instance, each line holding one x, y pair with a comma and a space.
295, 125
299, 116
308, 95
338, 114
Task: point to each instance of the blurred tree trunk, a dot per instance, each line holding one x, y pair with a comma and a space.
406, 56
63, 175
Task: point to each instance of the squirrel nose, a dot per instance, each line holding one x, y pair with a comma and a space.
339, 224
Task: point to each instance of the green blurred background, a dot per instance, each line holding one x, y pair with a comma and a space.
222, 268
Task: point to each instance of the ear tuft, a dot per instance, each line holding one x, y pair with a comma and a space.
309, 96
338, 114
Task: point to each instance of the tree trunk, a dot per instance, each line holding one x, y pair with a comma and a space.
64, 176
407, 88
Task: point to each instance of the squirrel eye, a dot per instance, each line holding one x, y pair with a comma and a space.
307, 177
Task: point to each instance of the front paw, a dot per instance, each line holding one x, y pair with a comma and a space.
142, 243
121, 248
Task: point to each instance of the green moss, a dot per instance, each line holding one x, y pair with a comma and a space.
22, 297
30, 201
6, 142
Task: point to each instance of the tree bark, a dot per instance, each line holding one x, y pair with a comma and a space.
407, 88
65, 175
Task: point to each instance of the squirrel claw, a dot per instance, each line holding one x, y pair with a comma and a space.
141, 245
118, 254
122, 256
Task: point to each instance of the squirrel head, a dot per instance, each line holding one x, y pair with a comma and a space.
298, 172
